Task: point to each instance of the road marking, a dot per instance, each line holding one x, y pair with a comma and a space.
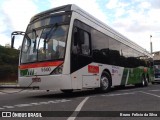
8, 106
150, 94
35, 104
22, 105
154, 90
132, 89
119, 94
78, 109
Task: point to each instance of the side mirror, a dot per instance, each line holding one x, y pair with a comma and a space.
12, 41
13, 36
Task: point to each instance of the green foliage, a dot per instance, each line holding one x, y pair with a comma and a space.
8, 62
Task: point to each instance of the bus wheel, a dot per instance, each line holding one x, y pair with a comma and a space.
143, 81
105, 82
146, 80
67, 91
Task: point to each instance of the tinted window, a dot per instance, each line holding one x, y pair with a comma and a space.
114, 52
49, 21
81, 42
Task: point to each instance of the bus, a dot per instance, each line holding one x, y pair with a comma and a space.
66, 48
156, 65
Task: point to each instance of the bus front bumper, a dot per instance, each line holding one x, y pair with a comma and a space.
50, 82
156, 80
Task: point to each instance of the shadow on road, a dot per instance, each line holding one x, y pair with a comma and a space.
84, 93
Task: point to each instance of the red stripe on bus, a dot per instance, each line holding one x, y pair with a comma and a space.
42, 64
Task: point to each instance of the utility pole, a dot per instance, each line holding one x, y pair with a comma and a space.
151, 44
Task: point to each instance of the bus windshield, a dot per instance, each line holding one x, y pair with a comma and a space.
44, 43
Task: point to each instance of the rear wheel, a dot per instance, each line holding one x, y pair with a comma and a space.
105, 82
142, 84
144, 81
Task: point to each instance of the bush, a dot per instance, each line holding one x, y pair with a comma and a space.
8, 62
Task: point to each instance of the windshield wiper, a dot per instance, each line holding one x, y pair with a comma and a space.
55, 26
48, 35
35, 41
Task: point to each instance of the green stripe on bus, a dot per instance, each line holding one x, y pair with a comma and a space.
124, 77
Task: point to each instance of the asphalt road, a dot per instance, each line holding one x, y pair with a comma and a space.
118, 104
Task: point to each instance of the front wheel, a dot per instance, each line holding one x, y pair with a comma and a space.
105, 82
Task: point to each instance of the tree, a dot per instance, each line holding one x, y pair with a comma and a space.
8, 63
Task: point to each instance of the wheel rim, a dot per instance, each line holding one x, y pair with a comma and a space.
143, 82
104, 82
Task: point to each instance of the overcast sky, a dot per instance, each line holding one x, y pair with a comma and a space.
135, 19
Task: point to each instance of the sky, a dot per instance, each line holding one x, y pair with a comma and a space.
135, 19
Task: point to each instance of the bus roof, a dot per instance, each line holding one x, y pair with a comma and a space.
73, 7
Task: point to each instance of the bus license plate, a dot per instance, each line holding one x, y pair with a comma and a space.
36, 79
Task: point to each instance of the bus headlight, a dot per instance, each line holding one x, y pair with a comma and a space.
57, 70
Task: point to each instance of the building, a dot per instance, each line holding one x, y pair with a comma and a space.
7, 45
156, 55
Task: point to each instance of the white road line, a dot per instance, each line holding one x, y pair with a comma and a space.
8, 106
154, 90
79, 107
132, 90
34, 104
119, 94
150, 94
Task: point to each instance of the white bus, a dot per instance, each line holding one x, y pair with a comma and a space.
66, 48
156, 67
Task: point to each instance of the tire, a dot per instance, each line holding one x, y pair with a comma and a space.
146, 81
67, 91
105, 82
143, 81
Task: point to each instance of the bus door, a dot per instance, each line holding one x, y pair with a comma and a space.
81, 58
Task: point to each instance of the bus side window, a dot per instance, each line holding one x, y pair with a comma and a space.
85, 44
81, 43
